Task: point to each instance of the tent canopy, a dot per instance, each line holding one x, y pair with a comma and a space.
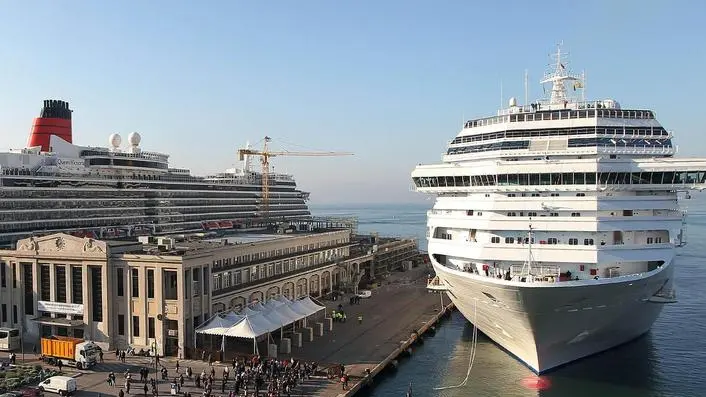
259, 319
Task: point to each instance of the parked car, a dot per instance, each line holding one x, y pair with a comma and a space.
62, 385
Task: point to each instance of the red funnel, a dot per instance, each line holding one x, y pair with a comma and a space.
55, 119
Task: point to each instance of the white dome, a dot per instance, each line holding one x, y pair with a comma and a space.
114, 140
513, 102
134, 138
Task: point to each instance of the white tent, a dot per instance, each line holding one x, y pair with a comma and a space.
259, 319
219, 324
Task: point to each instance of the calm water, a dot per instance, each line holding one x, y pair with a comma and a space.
668, 361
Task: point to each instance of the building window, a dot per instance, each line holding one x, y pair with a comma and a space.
150, 283
4, 313
150, 327
28, 288
121, 324
97, 292
135, 283
14, 314
3, 276
14, 275
135, 326
573, 241
60, 283
45, 282
205, 281
120, 281
76, 284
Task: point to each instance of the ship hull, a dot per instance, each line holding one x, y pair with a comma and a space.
547, 325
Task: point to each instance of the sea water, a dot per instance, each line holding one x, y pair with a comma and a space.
669, 361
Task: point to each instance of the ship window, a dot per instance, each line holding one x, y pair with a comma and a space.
573, 241
580, 194
509, 240
552, 240
553, 214
511, 194
536, 195
588, 241
658, 240
554, 195
495, 239
511, 214
575, 214
649, 240
469, 212
531, 214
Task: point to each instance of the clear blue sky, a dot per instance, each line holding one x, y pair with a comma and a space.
388, 80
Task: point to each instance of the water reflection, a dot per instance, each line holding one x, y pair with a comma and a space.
626, 371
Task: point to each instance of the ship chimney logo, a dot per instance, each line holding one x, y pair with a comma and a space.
55, 119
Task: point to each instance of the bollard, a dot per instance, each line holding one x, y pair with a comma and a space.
285, 346
319, 327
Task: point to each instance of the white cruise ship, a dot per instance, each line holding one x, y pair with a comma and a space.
122, 191
556, 223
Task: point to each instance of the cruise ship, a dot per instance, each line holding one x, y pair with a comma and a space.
123, 191
556, 223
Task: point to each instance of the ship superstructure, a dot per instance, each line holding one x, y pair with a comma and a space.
122, 191
556, 222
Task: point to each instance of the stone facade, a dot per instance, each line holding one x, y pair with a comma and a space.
118, 294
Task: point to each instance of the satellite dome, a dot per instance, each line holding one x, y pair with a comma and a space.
134, 138
114, 140
513, 102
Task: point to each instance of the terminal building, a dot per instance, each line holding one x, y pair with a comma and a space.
154, 293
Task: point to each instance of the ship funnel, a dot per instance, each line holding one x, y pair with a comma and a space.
54, 119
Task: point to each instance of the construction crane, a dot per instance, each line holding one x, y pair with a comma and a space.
265, 155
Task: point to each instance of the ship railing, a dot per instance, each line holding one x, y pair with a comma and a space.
535, 273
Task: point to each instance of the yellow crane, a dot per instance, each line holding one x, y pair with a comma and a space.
265, 155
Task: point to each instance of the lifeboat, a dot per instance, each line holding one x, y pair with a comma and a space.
225, 224
213, 225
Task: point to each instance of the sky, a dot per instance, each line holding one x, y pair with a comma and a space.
390, 81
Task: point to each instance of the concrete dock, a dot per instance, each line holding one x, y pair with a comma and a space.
391, 316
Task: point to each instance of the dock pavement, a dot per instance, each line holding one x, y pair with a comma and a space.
396, 308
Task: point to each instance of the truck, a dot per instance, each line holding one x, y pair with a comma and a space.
75, 352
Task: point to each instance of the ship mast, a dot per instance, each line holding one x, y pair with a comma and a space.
528, 263
558, 77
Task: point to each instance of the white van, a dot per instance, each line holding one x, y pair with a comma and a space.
63, 385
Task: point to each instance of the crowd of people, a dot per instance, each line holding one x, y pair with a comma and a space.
266, 377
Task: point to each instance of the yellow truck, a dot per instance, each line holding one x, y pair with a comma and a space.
75, 352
